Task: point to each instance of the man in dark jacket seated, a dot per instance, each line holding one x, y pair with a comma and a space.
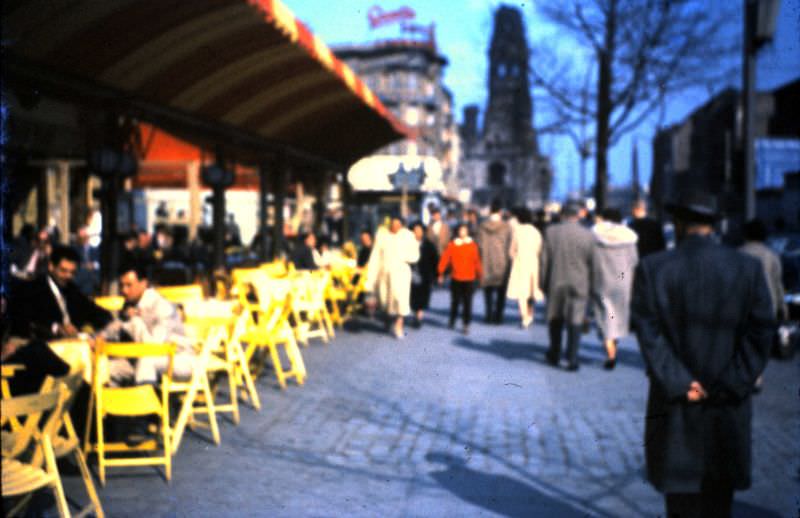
52, 306
303, 256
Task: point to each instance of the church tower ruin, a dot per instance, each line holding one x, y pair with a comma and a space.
502, 159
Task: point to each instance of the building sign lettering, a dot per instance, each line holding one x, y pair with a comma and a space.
378, 17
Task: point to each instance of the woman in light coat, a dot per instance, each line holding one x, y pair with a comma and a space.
614, 260
525, 251
389, 271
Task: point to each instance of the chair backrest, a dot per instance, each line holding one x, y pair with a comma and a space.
42, 412
71, 382
105, 350
317, 285
275, 269
181, 294
110, 302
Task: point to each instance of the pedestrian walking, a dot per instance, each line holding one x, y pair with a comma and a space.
614, 260
650, 231
438, 231
463, 259
389, 271
423, 274
566, 271
525, 252
703, 317
494, 240
755, 234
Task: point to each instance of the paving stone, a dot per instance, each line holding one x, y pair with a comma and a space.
445, 425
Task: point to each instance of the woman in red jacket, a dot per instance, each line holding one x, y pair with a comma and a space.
464, 260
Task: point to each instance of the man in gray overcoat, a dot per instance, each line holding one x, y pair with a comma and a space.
704, 320
566, 279
494, 241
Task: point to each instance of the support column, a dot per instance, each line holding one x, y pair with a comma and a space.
279, 194
42, 198
345, 195
109, 251
195, 202
263, 190
218, 201
63, 200
320, 202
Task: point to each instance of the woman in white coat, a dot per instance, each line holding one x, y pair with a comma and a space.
525, 251
389, 271
613, 263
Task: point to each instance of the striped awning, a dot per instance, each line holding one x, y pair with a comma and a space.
249, 65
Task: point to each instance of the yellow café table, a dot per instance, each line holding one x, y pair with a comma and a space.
76, 352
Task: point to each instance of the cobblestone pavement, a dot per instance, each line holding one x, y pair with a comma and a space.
442, 424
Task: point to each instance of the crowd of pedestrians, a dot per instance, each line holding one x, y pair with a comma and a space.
704, 314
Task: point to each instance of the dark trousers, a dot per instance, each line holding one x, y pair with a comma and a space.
461, 294
712, 502
494, 299
555, 329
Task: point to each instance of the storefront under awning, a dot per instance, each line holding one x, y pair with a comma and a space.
243, 73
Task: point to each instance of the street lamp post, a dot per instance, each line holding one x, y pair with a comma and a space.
759, 28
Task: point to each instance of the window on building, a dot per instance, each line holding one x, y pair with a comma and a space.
497, 173
411, 116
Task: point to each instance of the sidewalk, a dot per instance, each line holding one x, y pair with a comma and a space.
442, 424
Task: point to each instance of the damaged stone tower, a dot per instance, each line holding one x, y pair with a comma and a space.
502, 159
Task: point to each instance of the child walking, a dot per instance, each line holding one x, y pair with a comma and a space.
464, 260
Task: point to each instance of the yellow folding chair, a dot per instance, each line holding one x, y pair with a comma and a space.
8, 372
28, 461
66, 442
181, 294
308, 308
269, 328
110, 302
136, 401
235, 354
196, 392
229, 357
276, 269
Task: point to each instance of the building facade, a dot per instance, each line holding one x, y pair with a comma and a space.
501, 158
705, 151
406, 75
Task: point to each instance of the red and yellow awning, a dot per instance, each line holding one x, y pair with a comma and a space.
244, 64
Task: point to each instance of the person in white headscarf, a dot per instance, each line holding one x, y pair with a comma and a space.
389, 271
525, 252
614, 260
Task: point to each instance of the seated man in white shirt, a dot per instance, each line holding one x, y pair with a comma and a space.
149, 317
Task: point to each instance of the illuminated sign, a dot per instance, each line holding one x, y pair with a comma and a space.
396, 173
378, 17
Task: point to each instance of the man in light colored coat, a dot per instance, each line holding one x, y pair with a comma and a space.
566, 277
149, 317
755, 233
438, 231
494, 241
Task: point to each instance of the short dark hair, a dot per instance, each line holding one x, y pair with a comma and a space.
755, 230
62, 252
496, 206
524, 216
612, 214
417, 223
137, 267
435, 209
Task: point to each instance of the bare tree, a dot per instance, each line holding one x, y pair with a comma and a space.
644, 51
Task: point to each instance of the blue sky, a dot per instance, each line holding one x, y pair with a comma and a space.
463, 29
